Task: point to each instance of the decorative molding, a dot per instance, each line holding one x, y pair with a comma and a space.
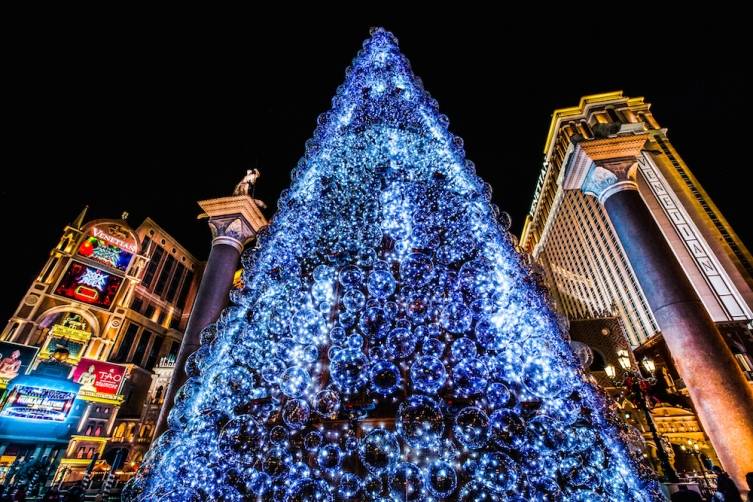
229, 241
614, 148
728, 297
576, 169
598, 181
603, 167
241, 205
620, 186
234, 221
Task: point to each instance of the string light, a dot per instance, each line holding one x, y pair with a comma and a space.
388, 342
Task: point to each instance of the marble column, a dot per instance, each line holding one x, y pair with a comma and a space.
234, 222
720, 393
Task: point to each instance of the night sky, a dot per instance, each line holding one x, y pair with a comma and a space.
149, 118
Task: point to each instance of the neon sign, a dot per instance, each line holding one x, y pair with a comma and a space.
74, 348
89, 285
99, 377
36, 403
102, 251
115, 241
94, 278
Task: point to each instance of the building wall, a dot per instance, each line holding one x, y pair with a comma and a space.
141, 329
568, 232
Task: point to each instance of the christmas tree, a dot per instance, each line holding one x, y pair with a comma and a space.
388, 343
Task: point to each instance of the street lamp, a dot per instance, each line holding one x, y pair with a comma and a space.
638, 386
649, 365
624, 359
610, 371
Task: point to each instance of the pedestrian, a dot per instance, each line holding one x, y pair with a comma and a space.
20, 495
74, 494
52, 495
726, 487
684, 495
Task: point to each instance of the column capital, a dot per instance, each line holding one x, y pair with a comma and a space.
234, 220
603, 167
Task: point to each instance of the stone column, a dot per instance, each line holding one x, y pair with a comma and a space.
234, 222
720, 393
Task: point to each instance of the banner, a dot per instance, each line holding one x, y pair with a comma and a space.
74, 348
15, 360
99, 377
37, 403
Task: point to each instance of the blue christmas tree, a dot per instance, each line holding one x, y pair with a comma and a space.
389, 343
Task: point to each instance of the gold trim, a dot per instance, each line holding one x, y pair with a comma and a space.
75, 461
571, 111
94, 439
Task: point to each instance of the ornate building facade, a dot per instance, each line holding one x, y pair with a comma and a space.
97, 332
622, 228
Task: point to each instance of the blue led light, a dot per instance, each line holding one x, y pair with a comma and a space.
330, 375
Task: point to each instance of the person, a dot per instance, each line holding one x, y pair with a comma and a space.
20, 495
10, 365
749, 480
683, 494
52, 495
74, 494
726, 487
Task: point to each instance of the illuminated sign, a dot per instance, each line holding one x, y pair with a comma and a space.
101, 251
89, 285
73, 347
116, 236
99, 377
36, 403
15, 360
61, 331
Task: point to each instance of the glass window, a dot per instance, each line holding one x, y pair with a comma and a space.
138, 355
151, 269
154, 352
126, 343
184, 291
175, 282
137, 304
164, 276
174, 348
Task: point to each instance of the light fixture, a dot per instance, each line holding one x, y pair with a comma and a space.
624, 359
610, 371
649, 365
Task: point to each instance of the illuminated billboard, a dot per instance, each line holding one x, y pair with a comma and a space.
89, 285
36, 403
103, 252
74, 348
15, 360
99, 377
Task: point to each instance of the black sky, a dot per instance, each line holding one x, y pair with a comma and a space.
149, 117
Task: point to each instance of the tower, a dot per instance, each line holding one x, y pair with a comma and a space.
620, 223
